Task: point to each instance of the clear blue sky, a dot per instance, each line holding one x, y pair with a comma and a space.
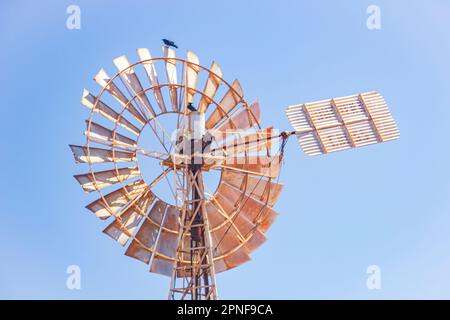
386, 205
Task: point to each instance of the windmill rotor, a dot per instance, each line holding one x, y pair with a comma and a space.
202, 231
190, 124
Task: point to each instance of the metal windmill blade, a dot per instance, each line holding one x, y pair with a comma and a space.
200, 231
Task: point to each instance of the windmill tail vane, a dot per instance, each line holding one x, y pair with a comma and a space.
193, 124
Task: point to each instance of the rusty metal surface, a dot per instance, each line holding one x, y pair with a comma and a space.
230, 100
98, 180
265, 166
134, 86
108, 84
211, 86
98, 155
245, 119
111, 203
126, 223
265, 191
106, 111
107, 137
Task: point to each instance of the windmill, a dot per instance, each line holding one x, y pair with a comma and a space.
201, 230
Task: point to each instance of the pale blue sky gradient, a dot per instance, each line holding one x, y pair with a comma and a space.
386, 205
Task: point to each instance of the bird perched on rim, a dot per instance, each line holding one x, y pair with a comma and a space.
169, 43
191, 107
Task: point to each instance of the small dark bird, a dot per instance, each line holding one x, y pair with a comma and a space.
191, 107
169, 43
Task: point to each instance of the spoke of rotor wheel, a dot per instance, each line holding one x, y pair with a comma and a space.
182, 93
157, 136
168, 182
164, 146
158, 178
147, 152
154, 157
176, 181
207, 188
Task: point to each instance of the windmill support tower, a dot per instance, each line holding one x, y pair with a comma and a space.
192, 230
198, 277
